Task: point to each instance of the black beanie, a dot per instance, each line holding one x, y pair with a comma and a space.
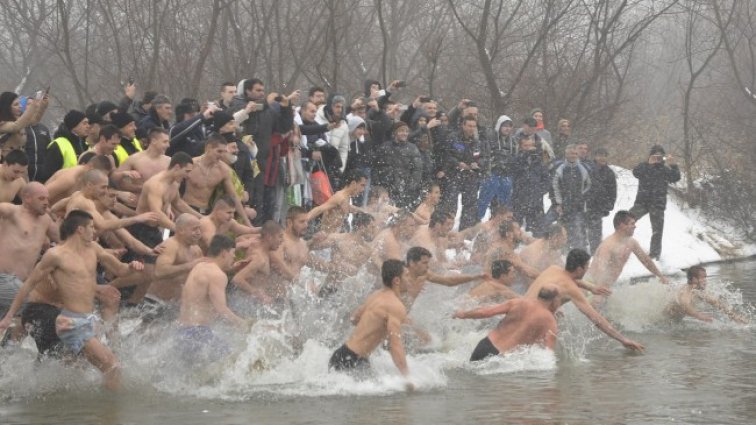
220, 119
657, 150
121, 119
73, 118
105, 106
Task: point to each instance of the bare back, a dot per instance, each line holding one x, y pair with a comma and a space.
527, 322
196, 305
174, 254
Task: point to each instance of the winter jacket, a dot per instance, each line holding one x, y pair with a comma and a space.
188, 136
152, 121
497, 153
530, 181
603, 193
37, 139
653, 180
399, 168
338, 137
457, 148
571, 184
262, 124
54, 155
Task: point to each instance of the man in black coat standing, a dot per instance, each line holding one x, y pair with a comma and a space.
601, 197
653, 178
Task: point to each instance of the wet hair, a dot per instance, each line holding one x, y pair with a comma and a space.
622, 217
100, 162
225, 199
16, 157
215, 140
416, 253
360, 220
577, 258
74, 220
548, 293
694, 271
218, 244
354, 176
181, 159
270, 228
500, 267
109, 131
294, 212
391, 269
506, 228
439, 217
154, 132
555, 229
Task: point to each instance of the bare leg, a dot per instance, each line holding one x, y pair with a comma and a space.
103, 359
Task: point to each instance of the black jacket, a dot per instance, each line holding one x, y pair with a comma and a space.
653, 180
603, 193
457, 148
53, 155
399, 168
37, 139
151, 120
262, 124
188, 136
497, 155
530, 181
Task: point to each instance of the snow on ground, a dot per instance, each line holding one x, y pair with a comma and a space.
688, 239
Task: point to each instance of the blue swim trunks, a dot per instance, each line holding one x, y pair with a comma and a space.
199, 343
75, 329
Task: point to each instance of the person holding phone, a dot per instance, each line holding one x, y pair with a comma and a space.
654, 176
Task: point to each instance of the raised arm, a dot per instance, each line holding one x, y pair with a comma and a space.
485, 312
453, 279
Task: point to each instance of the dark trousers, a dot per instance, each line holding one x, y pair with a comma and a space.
575, 224
657, 226
465, 183
594, 229
532, 217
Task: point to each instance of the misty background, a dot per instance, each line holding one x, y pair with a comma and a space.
628, 73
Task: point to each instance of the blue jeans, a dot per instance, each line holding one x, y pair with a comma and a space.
494, 187
575, 224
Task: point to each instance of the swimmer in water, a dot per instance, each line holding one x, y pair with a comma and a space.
614, 251
380, 318
528, 321
685, 300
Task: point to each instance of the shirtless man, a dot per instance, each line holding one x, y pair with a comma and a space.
146, 163
210, 171
614, 251
380, 318
24, 230
335, 210
567, 279
418, 260
221, 222
255, 279
95, 186
66, 181
179, 256
434, 236
498, 285
160, 195
546, 252
528, 321
12, 175
485, 234
349, 250
294, 252
203, 301
509, 236
379, 205
424, 211
388, 243
685, 300
77, 286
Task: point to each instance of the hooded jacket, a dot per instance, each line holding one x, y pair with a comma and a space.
262, 124
338, 137
497, 153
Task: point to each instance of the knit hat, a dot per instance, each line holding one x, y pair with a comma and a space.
94, 118
220, 119
657, 150
73, 118
105, 106
397, 125
121, 119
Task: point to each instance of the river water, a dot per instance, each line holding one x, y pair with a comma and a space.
691, 373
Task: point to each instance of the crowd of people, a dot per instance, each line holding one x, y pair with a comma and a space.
198, 213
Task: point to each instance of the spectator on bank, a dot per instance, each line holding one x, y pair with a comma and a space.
530, 181
601, 198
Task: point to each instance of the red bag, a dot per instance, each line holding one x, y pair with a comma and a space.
321, 186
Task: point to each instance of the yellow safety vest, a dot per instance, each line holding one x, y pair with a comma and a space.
66, 150
121, 153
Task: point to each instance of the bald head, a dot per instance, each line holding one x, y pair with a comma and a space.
32, 189
186, 220
93, 177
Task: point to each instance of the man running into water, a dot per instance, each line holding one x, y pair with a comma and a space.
614, 251
686, 298
546, 252
379, 318
510, 235
77, 286
389, 242
203, 301
336, 209
254, 280
432, 197
498, 285
221, 222
566, 279
528, 321
418, 261
148, 162
435, 236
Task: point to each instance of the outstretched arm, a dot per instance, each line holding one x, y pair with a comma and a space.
724, 308
648, 262
485, 312
453, 279
594, 316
